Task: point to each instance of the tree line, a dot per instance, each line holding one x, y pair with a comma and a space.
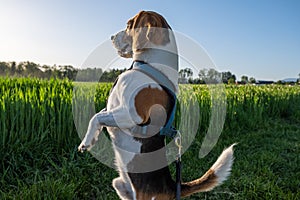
31, 69
211, 76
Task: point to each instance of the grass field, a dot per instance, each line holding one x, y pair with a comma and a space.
39, 158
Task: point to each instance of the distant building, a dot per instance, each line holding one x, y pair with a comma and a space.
262, 82
289, 80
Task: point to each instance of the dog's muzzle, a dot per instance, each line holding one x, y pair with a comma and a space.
123, 44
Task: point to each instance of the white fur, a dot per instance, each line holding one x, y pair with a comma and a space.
93, 131
125, 148
124, 48
222, 166
124, 188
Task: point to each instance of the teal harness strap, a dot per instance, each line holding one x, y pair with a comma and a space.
169, 130
165, 83
153, 73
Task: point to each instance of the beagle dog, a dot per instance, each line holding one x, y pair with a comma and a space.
137, 107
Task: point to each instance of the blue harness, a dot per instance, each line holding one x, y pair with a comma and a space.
168, 129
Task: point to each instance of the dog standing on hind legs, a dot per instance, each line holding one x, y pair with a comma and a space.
138, 106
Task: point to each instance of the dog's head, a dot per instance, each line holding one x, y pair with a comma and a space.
144, 30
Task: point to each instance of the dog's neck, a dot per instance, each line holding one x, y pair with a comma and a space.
163, 60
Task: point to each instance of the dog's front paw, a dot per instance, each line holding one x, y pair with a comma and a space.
82, 148
85, 145
91, 136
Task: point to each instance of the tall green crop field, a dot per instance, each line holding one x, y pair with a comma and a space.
39, 139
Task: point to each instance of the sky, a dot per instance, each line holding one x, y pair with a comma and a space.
256, 38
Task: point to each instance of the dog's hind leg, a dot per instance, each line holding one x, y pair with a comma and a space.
124, 190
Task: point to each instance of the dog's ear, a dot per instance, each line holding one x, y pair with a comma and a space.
158, 31
139, 41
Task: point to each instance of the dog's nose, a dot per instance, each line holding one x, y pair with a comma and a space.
112, 37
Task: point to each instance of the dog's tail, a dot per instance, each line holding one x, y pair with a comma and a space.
213, 177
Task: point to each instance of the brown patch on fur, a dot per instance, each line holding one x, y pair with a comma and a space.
208, 181
148, 97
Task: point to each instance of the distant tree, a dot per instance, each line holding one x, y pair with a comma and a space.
202, 74
111, 75
244, 79
214, 75
55, 73
252, 80
20, 69
67, 71
13, 68
185, 75
47, 71
279, 82
226, 76
90, 75
231, 80
4, 68
210, 76
196, 81
191, 80
31, 69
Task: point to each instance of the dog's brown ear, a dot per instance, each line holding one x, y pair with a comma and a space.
140, 41
158, 30
157, 35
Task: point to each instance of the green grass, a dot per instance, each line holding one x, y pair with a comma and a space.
266, 166
38, 143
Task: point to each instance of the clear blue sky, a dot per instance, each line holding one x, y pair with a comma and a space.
259, 38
